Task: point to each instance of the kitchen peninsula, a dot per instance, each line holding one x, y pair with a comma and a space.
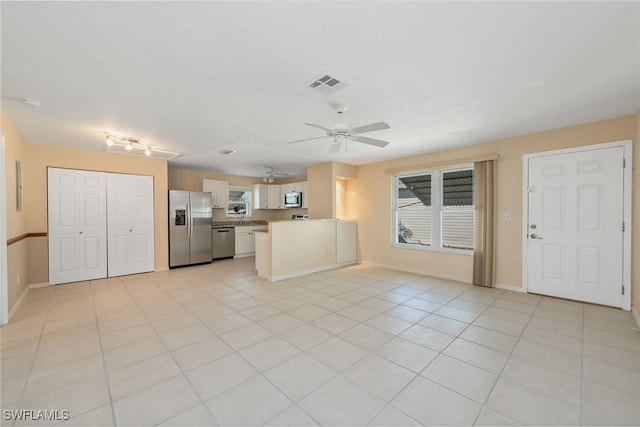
295, 248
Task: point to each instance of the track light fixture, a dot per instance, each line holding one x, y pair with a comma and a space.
127, 143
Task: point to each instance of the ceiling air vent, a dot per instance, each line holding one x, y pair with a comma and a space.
324, 83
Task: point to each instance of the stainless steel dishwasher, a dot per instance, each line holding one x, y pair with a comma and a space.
223, 242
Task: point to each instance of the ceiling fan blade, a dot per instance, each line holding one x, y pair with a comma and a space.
319, 127
372, 141
306, 139
371, 127
335, 147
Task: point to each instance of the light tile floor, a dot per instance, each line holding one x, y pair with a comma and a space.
215, 344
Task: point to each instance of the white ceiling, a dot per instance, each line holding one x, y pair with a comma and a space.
197, 77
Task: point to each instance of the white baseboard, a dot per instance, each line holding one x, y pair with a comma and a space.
38, 285
636, 315
309, 271
244, 255
414, 271
514, 288
18, 302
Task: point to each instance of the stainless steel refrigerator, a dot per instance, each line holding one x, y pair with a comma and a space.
189, 227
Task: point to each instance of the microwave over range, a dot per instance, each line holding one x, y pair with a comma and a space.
292, 199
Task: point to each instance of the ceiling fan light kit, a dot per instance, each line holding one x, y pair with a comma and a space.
342, 133
270, 175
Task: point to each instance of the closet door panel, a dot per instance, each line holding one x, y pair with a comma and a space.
76, 225
130, 213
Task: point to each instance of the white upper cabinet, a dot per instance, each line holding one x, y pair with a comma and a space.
272, 196
219, 192
292, 187
274, 199
260, 196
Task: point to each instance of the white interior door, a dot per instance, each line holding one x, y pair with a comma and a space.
575, 225
77, 225
130, 224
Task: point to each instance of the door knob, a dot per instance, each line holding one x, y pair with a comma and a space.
535, 236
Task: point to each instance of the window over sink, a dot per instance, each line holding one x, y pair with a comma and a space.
239, 205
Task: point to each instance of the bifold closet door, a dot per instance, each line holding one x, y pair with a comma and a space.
130, 224
77, 225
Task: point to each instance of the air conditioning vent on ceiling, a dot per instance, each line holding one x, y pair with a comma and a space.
324, 83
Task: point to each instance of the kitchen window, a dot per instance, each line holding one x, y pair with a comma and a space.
239, 205
434, 210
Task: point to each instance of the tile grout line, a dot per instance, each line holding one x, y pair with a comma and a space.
35, 354
419, 374
182, 373
104, 365
247, 287
499, 375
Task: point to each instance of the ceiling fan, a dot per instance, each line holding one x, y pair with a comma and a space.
343, 133
270, 174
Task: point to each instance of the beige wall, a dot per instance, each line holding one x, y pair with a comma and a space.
17, 264
43, 156
342, 204
191, 180
326, 195
370, 200
322, 191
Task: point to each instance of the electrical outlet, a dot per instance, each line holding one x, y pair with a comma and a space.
506, 216
378, 251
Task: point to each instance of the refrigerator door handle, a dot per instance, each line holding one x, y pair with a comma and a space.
190, 221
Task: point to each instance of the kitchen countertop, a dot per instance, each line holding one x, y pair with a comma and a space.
221, 224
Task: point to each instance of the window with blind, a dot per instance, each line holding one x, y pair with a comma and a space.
434, 209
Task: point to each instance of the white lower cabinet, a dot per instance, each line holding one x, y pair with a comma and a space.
246, 240
346, 241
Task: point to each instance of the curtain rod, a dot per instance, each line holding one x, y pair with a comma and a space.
430, 165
